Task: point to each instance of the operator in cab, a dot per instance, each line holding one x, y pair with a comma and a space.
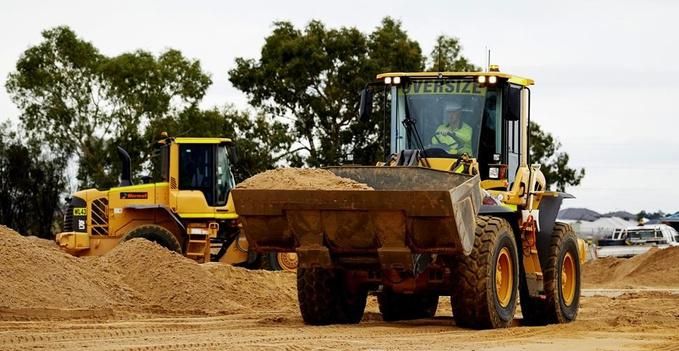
453, 133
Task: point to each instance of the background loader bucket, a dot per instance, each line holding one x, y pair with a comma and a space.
411, 210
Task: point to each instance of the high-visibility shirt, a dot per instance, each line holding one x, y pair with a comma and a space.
459, 140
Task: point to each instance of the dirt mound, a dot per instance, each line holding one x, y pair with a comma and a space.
41, 276
137, 276
655, 268
301, 179
4, 230
165, 280
169, 281
257, 290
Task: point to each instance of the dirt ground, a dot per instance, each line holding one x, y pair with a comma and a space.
142, 297
632, 321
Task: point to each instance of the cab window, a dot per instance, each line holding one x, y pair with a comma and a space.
491, 136
160, 164
225, 181
196, 169
513, 132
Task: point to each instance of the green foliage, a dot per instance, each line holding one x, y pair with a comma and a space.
447, 56
31, 182
544, 149
83, 103
312, 78
391, 50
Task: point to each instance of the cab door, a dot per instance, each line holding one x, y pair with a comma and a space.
512, 129
196, 168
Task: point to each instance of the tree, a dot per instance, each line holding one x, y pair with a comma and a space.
83, 103
544, 149
447, 56
31, 182
312, 79
389, 50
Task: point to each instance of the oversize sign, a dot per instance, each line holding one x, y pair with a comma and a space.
460, 87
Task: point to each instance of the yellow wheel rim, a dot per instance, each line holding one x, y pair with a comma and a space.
568, 279
287, 261
504, 277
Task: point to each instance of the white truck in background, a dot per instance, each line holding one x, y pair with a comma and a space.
636, 240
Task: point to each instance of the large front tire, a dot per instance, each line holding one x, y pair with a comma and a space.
395, 307
325, 298
485, 294
561, 282
157, 234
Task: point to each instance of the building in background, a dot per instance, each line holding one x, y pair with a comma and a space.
672, 220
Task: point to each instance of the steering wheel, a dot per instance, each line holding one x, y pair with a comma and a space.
437, 146
437, 150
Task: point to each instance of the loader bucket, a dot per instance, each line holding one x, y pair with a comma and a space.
410, 210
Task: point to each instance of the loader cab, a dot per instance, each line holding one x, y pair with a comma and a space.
198, 169
484, 107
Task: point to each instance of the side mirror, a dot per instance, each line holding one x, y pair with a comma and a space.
366, 105
511, 107
233, 153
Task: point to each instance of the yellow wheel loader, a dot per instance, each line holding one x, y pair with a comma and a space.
188, 210
457, 210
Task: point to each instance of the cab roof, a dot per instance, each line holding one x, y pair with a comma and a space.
190, 140
510, 77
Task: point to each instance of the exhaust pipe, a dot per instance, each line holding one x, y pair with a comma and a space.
125, 176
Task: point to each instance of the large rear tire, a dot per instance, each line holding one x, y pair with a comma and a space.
324, 297
561, 280
395, 307
486, 285
157, 234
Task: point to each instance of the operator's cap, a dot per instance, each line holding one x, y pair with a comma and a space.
453, 107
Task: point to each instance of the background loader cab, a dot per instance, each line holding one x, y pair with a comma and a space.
188, 209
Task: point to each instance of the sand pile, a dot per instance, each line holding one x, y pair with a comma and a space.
41, 276
301, 179
655, 268
170, 281
137, 276
7, 230
257, 290
164, 279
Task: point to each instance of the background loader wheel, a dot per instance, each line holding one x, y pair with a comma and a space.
324, 298
157, 234
561, 279
395, 307
487, 280
279, 261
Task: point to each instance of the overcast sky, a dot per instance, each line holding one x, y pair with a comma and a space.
606, 71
